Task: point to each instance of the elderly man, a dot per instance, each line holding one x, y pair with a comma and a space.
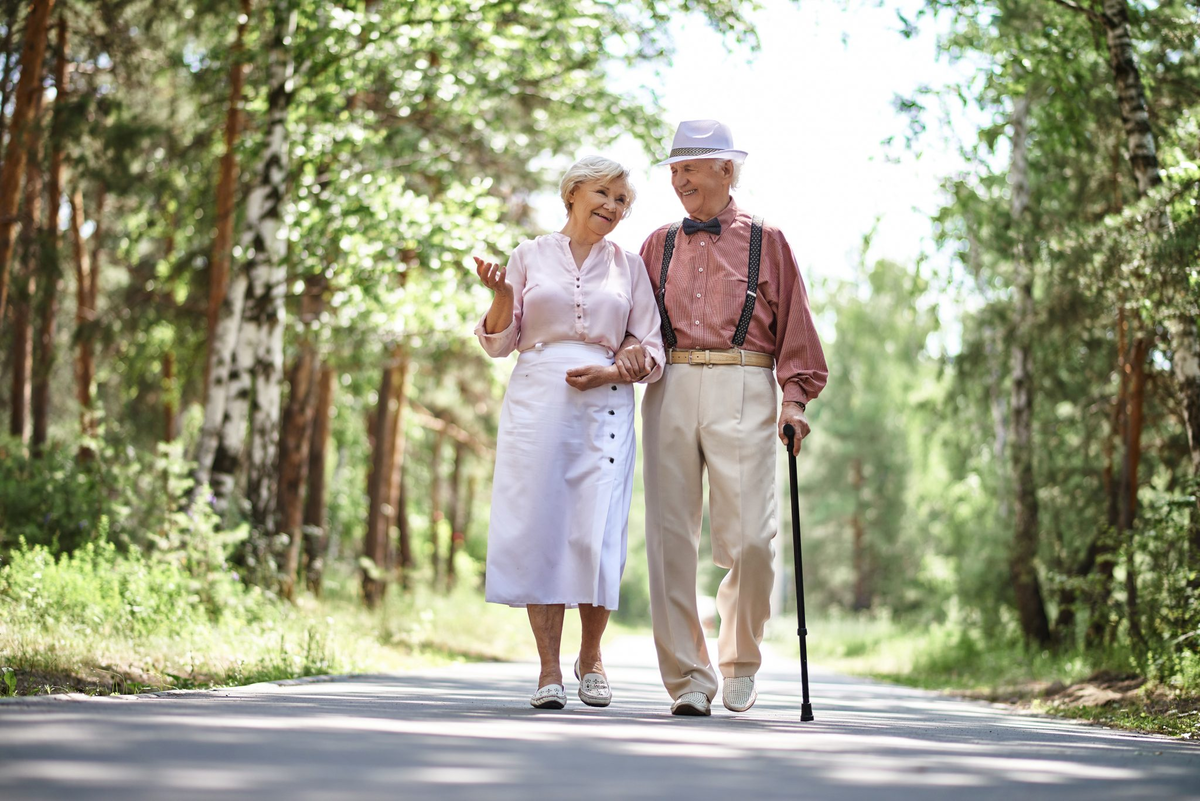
733, 307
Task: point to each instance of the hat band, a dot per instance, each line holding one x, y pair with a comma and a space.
692, 151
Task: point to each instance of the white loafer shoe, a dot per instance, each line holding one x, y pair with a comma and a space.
694, 704
552, 696
738, 694
593, 688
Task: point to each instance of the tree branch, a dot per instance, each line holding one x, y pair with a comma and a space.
1089, 13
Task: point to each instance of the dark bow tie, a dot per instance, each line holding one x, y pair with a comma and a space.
713, 226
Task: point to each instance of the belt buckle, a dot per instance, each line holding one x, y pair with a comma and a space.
705, 361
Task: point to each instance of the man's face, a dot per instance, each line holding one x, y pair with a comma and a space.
702, 186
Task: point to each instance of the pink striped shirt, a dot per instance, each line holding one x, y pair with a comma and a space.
706, 290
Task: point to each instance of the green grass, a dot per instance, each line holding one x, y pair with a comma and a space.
104, 622
955, 659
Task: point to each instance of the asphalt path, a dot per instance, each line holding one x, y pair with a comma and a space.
468, 732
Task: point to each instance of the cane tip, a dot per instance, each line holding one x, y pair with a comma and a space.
806, 712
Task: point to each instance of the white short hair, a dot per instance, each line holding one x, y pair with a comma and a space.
594, 168
737, 170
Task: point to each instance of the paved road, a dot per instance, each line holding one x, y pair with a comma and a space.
468, 732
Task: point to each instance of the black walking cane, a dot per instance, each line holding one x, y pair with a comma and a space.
805, 707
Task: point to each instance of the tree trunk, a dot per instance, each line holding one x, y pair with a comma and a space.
29, 90
168, 388
296, 437
226, 188
315, 527
436, 514
12, 10
51, 273
862, 581
85, 316
248, 348
228, 396
396, 479
1143, 158
1031, 608
1136, 366
1186, 366
403, 532
25, 284
388, 415
266, 241
454, 511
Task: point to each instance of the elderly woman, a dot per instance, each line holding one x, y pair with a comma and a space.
565, 450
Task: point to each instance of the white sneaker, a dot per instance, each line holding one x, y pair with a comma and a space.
738, 694
695, 704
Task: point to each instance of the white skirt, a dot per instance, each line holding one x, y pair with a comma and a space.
562, 485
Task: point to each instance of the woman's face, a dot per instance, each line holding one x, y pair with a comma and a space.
600, 205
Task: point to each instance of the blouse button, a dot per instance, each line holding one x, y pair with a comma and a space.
610, 460
614, 389
610, 411
612, 436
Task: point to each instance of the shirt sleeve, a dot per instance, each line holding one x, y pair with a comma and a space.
799, 359
644, 322
501, 343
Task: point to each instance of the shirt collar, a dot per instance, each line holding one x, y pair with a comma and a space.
726, 217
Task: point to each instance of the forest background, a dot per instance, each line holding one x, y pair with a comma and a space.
250, 432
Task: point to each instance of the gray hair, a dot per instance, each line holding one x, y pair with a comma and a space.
737, 170
594, 168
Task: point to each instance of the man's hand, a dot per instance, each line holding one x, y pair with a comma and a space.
592, 376
631, 360
792, 413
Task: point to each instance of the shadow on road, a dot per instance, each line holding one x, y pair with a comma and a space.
468, 732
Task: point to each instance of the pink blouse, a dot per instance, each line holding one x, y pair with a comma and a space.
554, 301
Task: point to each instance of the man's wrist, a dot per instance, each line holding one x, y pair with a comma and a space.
803, 406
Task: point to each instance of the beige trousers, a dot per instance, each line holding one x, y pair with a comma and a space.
721, 419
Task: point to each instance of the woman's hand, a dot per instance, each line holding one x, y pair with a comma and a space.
500, 313
592, 376
492, 275
632, 363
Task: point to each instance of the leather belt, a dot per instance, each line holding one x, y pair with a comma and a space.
746, 358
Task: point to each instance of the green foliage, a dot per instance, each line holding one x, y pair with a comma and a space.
97, 588
862, 474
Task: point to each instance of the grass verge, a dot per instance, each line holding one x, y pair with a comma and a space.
101, 622
1102, 688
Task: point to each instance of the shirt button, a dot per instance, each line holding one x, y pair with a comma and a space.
697, 294
697, 322
701, 269
701, 244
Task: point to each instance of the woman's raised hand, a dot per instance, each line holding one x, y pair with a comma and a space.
492, 275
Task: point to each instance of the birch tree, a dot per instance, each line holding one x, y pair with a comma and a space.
1023, 565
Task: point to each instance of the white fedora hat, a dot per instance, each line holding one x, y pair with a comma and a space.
703, 139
